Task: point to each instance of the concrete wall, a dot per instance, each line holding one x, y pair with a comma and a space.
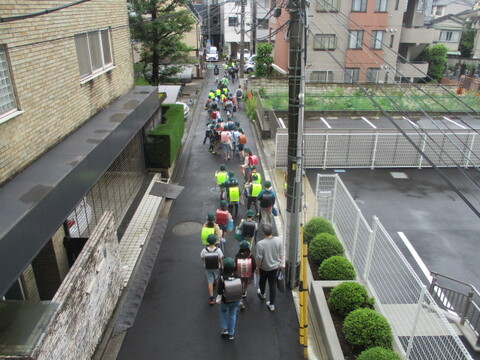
44, 67
88, 297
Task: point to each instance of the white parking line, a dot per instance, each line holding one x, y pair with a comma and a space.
453, 122
326, 123
410, 121
368, 122
415, 255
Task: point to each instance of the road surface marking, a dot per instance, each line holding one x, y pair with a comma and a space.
368, 122
325, 122
415, 255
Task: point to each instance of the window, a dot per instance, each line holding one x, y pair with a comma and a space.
324, 42
439, 10
327, 5
392, 37
321, 76
359, 5
262, 23
372, 75
449, 36
351, 75
380, 5
233, 21
94, 52
355, 39
377, 38
8, 103
397, 4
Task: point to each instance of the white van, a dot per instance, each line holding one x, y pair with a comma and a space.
212, 54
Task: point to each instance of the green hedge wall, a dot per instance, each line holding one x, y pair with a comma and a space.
166, 138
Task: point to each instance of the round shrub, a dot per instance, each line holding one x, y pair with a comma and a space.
378, 353
349, 296
323, 246
365, 328
316, 226
336, 268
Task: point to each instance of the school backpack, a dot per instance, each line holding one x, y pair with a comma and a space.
267, 200
239, 93
244, 268
221, 217
252, 160
211, 259
248, 228
225, 137
233, 289
214, 115
242, 139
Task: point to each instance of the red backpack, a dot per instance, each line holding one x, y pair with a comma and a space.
221, 217
244, 268
252, 160
242, 139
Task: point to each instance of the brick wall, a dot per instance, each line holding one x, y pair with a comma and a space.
280, 86
88, 297
44, 67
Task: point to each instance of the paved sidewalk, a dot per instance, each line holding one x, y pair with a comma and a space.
175, 320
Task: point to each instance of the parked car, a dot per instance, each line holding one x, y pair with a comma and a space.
246, 55
212, 54
80, 219
249, 67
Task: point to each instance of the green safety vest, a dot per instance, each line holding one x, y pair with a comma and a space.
225, 91
255, 190
206, 231
218, 92
234, 194
259, 178
221, 177
211, 94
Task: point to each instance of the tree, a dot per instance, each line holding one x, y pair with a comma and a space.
436, 55
160, 25
264, 60
466, 42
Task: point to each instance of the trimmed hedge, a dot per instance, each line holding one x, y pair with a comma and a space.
349, 296
316, 226
336, 268
378, 353
365, 328
323, 246
166, 138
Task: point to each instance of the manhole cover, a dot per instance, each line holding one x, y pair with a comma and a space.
187, 228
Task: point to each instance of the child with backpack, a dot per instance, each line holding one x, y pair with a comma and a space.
222, 216
248, 227
246, 266
230, 290
212, 258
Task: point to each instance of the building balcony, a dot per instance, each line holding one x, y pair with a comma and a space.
413, 69
417, 36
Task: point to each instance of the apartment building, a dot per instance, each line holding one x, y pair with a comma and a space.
71, 148
369, 41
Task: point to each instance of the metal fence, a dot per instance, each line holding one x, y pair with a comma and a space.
420, 328
382, 148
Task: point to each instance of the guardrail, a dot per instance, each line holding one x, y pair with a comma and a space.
458, 297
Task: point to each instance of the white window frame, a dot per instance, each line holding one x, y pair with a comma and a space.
321, 76
377, 39
373, 75
230, 21
8, 99
327, 5
355, 39
354, 74
324, 42
359, 5
105, 53
452, 36
381, 5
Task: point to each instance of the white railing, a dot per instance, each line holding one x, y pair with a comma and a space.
420, 328
381, 148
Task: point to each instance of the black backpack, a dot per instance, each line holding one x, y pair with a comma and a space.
267, 200
248, 228
211, 259
216, 71
233, 289
239, 93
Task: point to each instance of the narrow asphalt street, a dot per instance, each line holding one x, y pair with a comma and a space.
175, 320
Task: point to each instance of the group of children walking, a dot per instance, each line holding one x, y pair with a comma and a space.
232, 276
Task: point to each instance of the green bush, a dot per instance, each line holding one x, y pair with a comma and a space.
323, 246
349, 296
365, 328
316, 226
378, 353
336, 268
165, 140
251, 106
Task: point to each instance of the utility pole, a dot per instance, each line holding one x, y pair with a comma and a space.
209, 41
254, 27
242, 38
296, 85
